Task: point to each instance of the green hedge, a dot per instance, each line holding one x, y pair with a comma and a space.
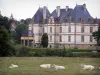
47, 52
86, 54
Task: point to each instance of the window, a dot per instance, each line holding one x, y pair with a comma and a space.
50, 20
81, 20
82, 38
50, 29
82, 29
70, 18
60, 38
91, 29
90, 20
43, 29
69, 38
60, 29
50, 38
69, 29
91, 39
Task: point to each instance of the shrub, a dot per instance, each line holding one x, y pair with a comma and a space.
68, 53
22, 50
45, 52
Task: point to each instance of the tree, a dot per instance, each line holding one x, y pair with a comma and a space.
20, 29
26, 21
6, 47
44, 40
96, 35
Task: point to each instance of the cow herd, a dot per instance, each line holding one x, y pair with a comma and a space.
59, 67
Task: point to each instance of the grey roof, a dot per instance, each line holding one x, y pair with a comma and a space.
38, 17
76, 14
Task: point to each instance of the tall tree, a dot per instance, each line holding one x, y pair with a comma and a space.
6, 47
96, 35
27, 21
44, 40
5, 23
20, 29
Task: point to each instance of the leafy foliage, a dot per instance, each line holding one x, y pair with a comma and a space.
26, 21
52, 52
96, 35
44, 40
21, 28
6, 47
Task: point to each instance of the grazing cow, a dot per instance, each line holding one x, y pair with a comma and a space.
45, 66
90, 67
13, 66
58, 67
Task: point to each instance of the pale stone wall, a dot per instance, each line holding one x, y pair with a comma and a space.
65, 27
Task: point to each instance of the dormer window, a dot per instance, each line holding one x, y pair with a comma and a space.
90, 20
81, 20
51, 20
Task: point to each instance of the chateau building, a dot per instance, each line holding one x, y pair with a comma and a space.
65, 27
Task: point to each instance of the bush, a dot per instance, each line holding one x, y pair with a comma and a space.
45, 52
68, 53
22, 50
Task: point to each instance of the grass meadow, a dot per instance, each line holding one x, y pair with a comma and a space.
30, 66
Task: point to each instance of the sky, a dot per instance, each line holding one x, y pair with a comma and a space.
22, 9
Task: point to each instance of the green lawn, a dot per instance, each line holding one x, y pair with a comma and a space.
30, 66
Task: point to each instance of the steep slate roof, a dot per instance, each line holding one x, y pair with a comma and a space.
38, 17
54, 14
63, 14
67, 14
80, 12
76, 14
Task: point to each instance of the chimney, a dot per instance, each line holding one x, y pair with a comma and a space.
84, 6
58, 11
44, 12
67, 8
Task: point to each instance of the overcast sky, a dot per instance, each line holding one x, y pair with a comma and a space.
22, 9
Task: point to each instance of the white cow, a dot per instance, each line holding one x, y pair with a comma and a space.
99, 68
58, 67
45, 66
13, 66
90, 67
